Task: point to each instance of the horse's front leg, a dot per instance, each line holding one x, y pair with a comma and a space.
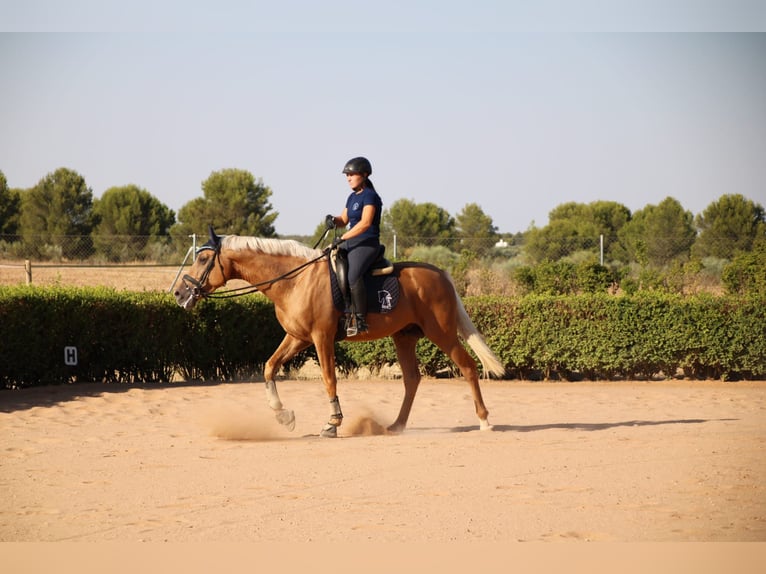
325, 348
287, 349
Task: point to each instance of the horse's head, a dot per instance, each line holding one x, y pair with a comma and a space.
207, 274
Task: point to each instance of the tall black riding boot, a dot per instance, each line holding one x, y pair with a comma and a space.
341, 271
359, 299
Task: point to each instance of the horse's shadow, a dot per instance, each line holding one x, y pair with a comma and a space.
588, 427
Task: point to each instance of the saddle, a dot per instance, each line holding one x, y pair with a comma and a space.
380, 281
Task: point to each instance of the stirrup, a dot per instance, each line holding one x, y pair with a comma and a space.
351, 325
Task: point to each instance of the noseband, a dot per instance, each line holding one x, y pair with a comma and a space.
197, 285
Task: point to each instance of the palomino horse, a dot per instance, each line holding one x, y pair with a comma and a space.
296, 278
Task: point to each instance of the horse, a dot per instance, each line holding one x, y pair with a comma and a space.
297, 279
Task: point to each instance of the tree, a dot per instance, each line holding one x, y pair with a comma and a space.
560, 238
659, 234
728, 226
577, 227
59, 205
475, 229
417, 223
234, 202
609, 217
10, 203
134, 214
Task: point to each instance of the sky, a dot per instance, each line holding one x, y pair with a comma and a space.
515, 106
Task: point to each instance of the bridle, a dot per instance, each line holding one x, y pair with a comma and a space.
198, 289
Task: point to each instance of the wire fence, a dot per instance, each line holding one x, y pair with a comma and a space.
123, 249
96, 249
168, 250
157, 261
140, 262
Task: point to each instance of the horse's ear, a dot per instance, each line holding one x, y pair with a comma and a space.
215, 241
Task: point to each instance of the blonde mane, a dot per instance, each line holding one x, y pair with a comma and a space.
270, 246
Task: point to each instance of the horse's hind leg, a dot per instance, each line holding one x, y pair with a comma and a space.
405, 350
288, 348
467, 366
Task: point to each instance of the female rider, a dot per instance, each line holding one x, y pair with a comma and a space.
360, 245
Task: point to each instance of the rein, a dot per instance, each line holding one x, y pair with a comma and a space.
198, 291
255, 287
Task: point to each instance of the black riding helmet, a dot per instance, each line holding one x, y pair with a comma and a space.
358, 165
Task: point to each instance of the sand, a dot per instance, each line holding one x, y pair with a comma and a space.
619, 461
138, 278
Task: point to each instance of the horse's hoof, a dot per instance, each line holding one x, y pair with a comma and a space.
329, 431
484, 425
287, 418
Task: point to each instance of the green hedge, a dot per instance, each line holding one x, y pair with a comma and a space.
125, 337
642, 336
606, 337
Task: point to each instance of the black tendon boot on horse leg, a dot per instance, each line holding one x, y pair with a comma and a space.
359, 300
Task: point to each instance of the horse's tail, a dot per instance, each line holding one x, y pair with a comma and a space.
465, 327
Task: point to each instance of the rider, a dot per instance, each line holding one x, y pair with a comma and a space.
361, 243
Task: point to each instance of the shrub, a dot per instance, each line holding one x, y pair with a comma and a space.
128, 337
747, 272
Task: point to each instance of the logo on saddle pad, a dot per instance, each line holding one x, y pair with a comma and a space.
385, 298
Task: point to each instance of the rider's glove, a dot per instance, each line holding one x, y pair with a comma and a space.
329, 221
